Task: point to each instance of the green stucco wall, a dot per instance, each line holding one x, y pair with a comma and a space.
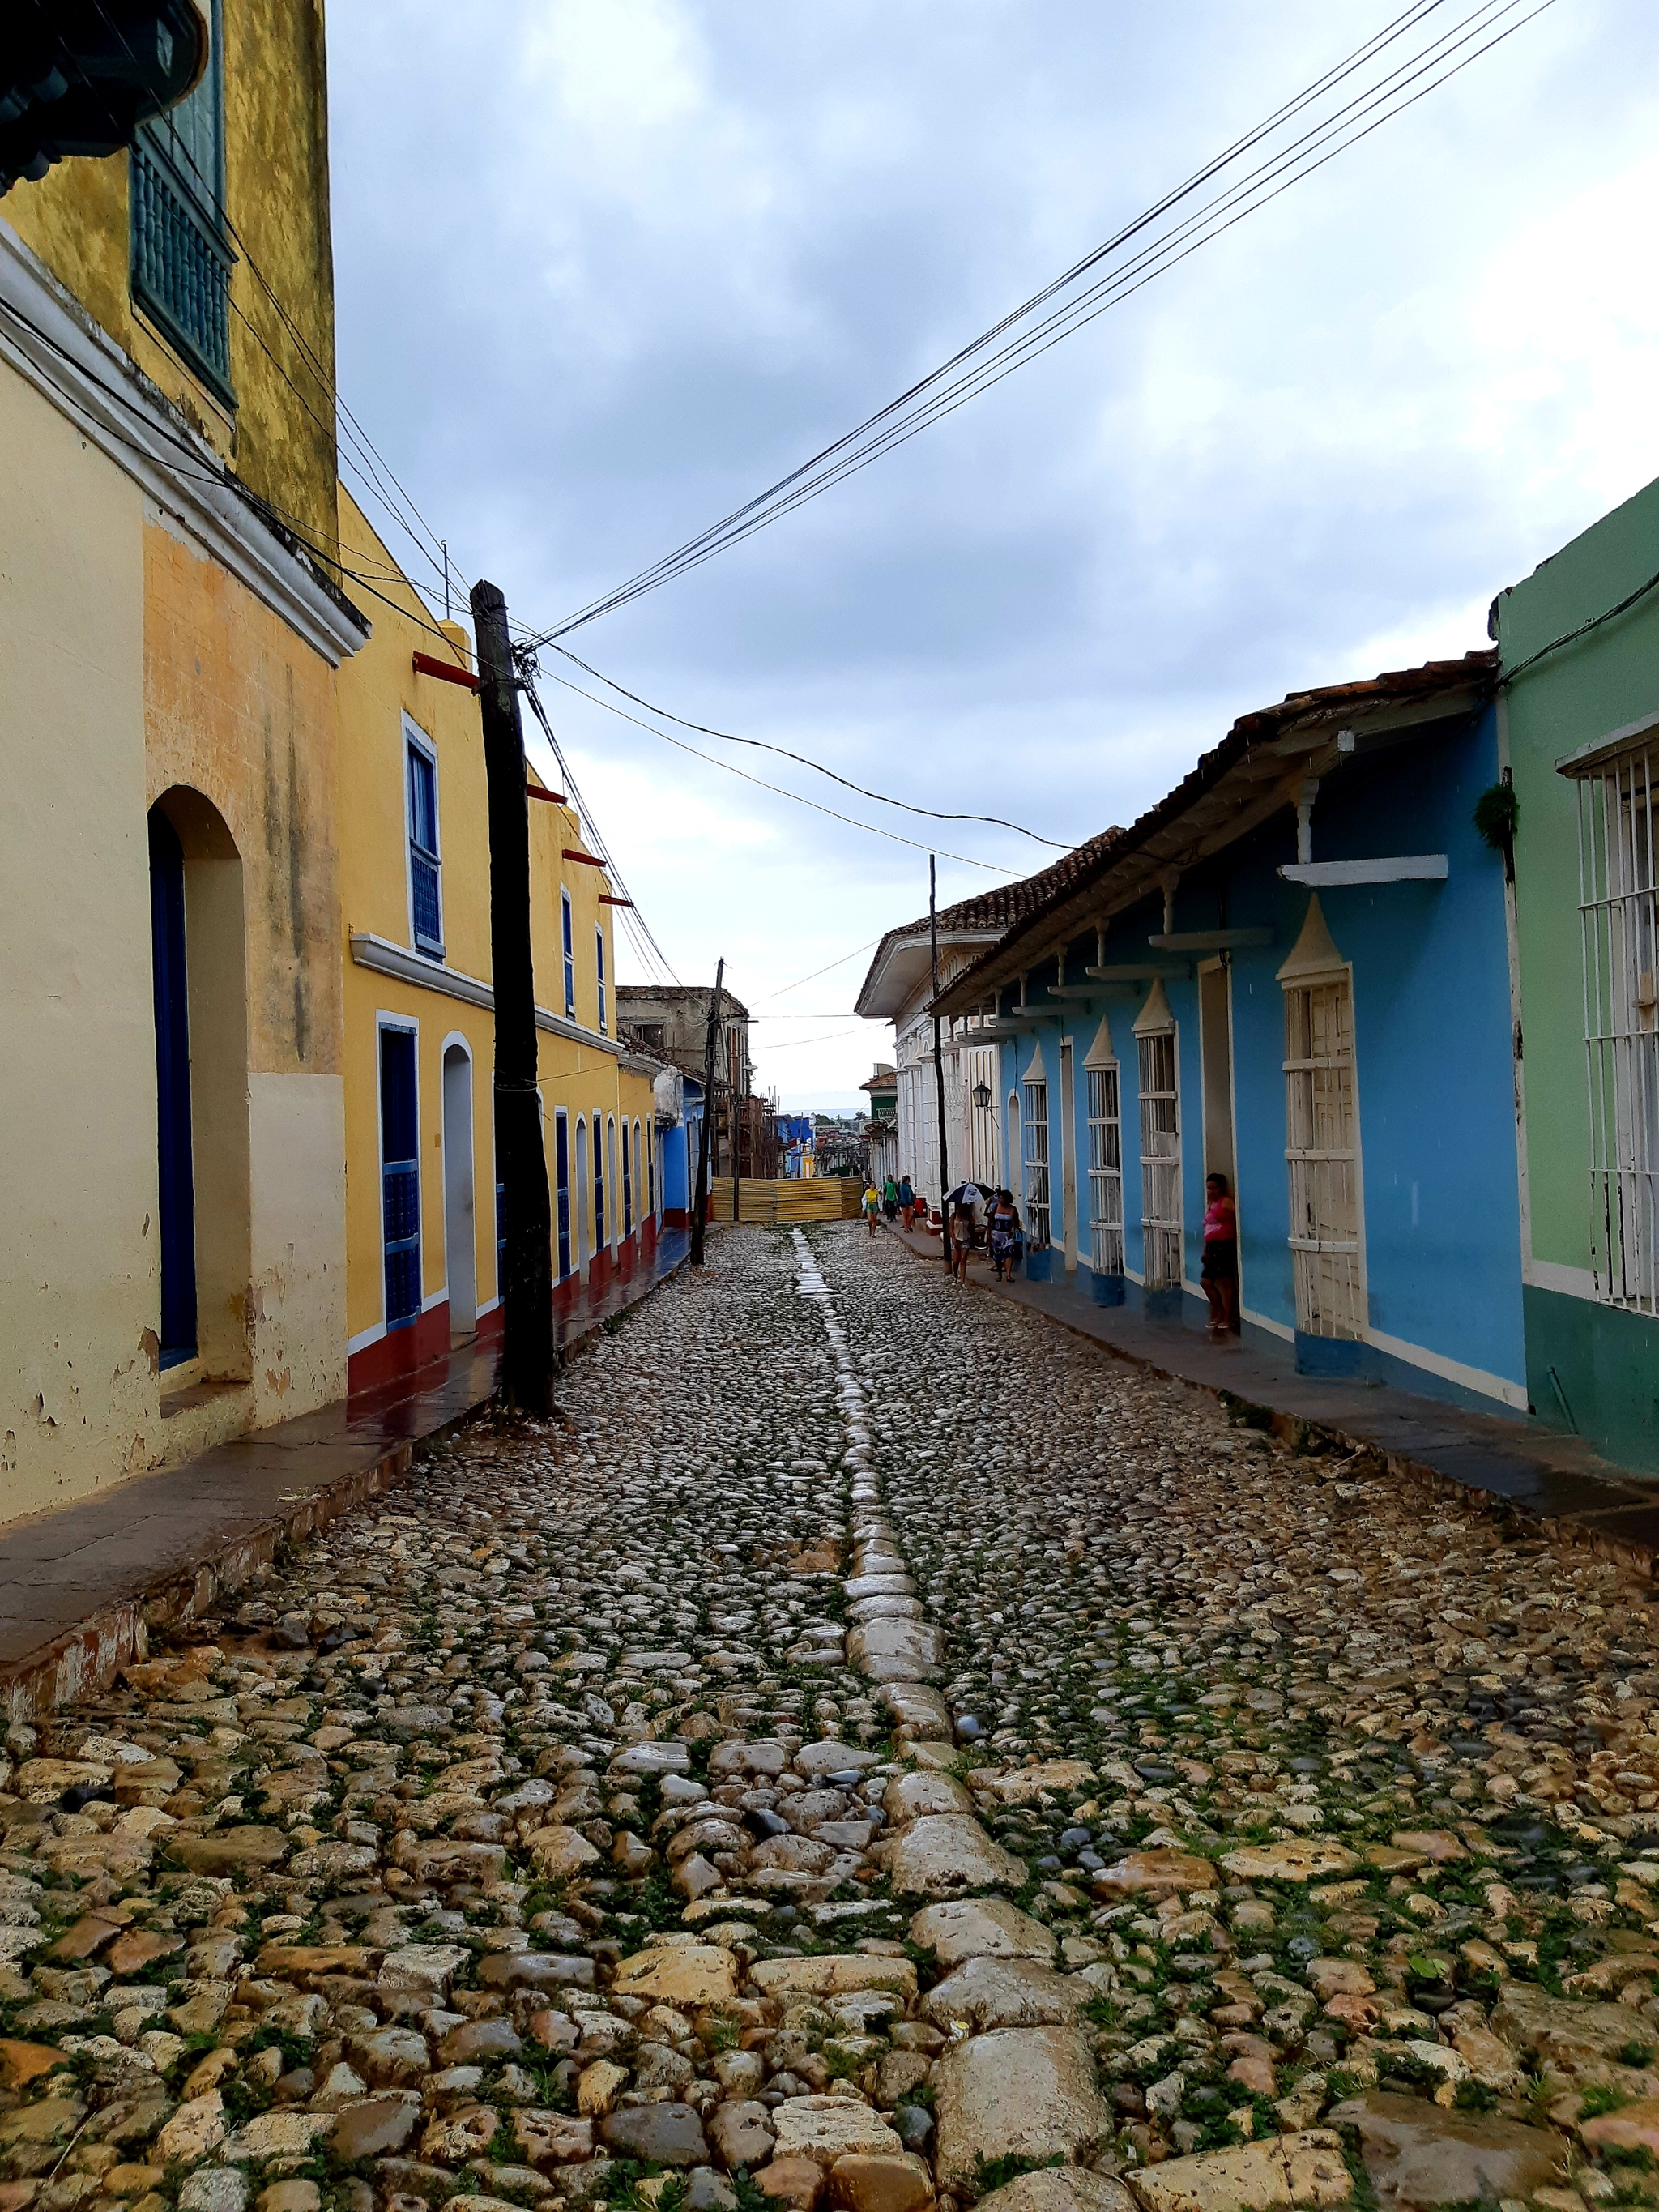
1606, 1360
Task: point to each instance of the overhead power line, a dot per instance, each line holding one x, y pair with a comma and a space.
805, 759
986, 359
730, 768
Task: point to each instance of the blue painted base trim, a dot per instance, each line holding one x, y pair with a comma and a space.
1039, 1264
1163, 1306
1105, 1290
1334, 1355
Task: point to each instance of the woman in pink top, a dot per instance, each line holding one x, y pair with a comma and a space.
1220, 1272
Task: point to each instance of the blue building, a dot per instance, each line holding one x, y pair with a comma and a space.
1292, 971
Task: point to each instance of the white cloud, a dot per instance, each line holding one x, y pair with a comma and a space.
607, 267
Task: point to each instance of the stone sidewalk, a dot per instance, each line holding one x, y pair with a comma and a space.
80, 1586
1536, 1471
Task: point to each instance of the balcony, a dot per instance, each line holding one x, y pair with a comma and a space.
181, 271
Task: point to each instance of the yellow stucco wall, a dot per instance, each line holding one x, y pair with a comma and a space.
279, 437
240, 710
375, 691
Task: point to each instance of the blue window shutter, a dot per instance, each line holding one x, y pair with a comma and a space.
423, 852
400, 1176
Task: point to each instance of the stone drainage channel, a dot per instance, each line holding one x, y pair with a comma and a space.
1011, 2073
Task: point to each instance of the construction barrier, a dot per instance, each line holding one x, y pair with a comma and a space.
785, 1199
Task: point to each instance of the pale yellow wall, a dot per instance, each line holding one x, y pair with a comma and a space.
78, 1289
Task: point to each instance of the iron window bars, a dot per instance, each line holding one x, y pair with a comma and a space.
1617, 913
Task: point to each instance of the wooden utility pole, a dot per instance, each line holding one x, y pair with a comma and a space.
527, 1265
938, 1060
700, 1211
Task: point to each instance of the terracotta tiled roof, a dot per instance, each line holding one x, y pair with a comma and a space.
1043, 913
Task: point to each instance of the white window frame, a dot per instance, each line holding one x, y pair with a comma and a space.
1325, 1179
1102, 1078
568, 953
416, 740
1618, 927
1036, 1194
1158, 1047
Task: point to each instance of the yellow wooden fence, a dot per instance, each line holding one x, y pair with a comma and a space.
786, 1200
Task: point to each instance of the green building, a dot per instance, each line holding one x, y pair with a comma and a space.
1578, 646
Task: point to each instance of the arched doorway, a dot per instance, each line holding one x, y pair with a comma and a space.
583, 1246
199, 977
460, 1227
175, 1155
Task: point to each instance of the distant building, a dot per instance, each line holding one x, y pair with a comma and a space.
671, 1022
881, 1130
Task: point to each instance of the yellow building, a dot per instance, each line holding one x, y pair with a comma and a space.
421, 1184
172, 1091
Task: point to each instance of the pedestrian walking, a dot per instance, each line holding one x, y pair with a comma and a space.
1220, 1272
907, 1204
962, 1238
871, 1206
1004, 1225
890, 1199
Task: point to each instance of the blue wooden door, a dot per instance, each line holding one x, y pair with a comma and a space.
177, 1179
400, 1177
561, 1178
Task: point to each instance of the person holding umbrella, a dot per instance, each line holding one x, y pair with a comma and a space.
962, 1207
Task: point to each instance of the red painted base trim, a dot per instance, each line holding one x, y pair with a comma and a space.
675, 1216
648, 1236
492, 1324
400, 1351
567, 1294
599, 1271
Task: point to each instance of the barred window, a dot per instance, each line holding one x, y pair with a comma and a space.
1619, 890
1160, 1161
1036, 1165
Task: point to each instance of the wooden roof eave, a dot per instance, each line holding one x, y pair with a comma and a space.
1248, 793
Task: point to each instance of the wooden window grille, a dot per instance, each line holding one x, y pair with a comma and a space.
1322, 1152
598, 971
1618, 898
1036, 1163
1105, 1171
569, 943
1160, 1161
180, 256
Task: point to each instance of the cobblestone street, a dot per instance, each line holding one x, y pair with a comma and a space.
872, 1749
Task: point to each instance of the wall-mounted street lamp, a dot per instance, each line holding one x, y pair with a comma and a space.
980, 1094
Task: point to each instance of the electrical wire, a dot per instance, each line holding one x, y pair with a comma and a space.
825, 970
795, 1042
970, 370
638, 931
1570, 636
933, 813
361, 455
730, 768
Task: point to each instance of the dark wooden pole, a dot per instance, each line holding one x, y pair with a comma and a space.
939, 1059
700, 1211
528, 1267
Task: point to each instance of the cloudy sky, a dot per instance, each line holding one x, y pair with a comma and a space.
608, 268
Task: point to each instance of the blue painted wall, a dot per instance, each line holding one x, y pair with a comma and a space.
1432, 1043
